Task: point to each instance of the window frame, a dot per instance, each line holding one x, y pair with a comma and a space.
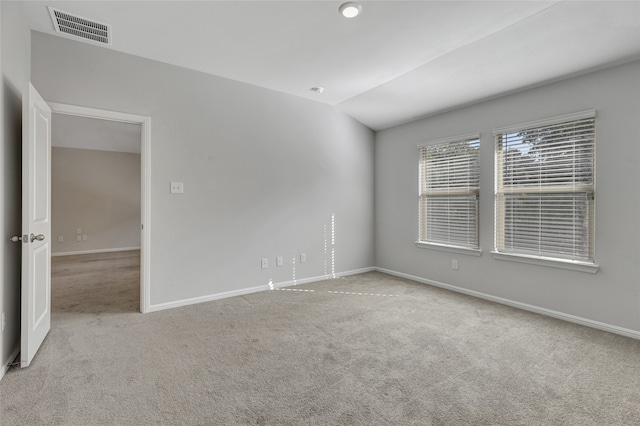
461, 249
542, 259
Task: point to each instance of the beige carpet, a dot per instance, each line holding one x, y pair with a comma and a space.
364, 350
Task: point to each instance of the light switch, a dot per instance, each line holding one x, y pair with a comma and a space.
177, 187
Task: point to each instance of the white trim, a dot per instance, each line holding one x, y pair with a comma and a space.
627, 332
452, 249
467, 137
145, 172
5, 367
145, 238
208, 298
249, 290
110, 250
103, 114
591, 113
572, 265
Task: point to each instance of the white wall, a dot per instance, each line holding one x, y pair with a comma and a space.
263, 172
15, 64
611, 296
97, 192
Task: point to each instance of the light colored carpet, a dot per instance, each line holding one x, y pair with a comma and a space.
364, 350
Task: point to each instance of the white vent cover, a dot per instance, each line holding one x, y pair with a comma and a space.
80, 27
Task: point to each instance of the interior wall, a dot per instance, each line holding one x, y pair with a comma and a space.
265, 174
97, 192
15, 65
612, 295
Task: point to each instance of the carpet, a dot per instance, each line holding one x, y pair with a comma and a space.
368, 349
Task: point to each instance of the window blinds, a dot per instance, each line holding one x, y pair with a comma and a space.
545, 188
449, 190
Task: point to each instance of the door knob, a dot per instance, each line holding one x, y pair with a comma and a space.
16, 238
39, 237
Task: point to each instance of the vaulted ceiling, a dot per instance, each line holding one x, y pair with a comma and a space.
397, 61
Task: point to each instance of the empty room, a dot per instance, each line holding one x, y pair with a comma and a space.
95, 214
327, 213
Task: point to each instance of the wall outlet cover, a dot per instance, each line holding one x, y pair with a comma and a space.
177, 187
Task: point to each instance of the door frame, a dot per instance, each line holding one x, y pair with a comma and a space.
145, 182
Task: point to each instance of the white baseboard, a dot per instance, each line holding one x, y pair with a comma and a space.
208, 298
322, 277
233, 293
634, 334
5, 366
108, 250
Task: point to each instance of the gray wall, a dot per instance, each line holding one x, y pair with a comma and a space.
263, 172
612, 295
15, 64
98, 192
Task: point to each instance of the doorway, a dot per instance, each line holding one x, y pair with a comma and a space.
124, 259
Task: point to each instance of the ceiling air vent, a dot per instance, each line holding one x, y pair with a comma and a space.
78, 26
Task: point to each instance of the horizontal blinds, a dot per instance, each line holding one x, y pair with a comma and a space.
552, 225
450, 220
545, 190
449, 188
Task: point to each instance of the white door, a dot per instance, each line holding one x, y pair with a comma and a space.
36, 225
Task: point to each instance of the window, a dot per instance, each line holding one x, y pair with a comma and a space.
449, 191
545, 188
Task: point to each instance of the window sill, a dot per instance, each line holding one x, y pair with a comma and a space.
452, 249
572, 265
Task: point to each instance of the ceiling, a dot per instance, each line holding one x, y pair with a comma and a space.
396, 62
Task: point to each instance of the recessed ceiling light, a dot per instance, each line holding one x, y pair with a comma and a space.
350, 9
317, 89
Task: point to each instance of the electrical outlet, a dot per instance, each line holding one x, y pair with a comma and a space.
177, 187
84, 238
454, 264
303, 257
78, 237
61, 239
78, 231
265, 263
279, 261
